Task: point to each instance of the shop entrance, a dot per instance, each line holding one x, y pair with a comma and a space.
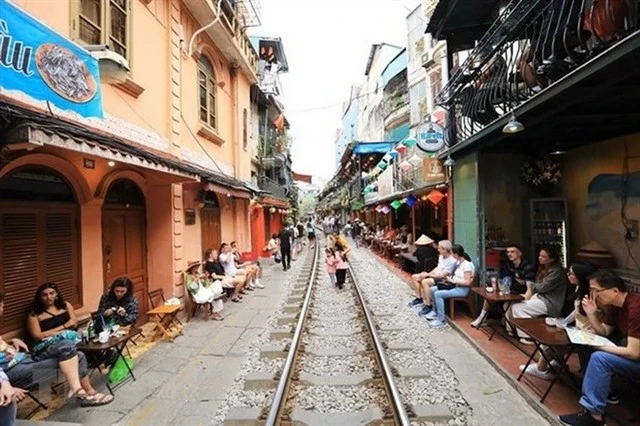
210, 219
124, 237
39, 234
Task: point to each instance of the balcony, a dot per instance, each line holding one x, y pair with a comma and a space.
273, 187
228, 33
571, 54
395, 108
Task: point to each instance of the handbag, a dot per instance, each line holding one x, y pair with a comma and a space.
444, 285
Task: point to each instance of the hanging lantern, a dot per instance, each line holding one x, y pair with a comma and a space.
387, 157
424, 197
435, 197
364, 175
415, 160
382, 165
396, 204
272, 210
411, 200
410, 142
393, 153
379, 208
405, 166
400, 148
386, 209
252, 202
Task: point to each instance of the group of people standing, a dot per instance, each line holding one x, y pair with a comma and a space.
285, 246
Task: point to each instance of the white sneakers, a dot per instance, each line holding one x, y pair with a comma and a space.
533, 370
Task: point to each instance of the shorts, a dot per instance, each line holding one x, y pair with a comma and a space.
227, 283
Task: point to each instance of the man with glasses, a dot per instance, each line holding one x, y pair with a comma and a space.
521, 272
622, 319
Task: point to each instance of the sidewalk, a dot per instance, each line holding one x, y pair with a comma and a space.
182, 383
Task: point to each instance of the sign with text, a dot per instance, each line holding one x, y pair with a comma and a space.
44, 65
430, 137
433, 171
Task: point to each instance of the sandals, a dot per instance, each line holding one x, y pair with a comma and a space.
236, 300
217, 317
95, 400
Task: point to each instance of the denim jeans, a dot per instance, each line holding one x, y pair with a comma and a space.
30, 372
438, 297
597, 379
8, 414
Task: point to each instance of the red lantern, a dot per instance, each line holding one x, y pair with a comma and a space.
435, 197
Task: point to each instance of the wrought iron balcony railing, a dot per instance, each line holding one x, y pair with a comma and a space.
532, 45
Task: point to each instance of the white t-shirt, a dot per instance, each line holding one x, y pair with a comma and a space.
228, 263
465, 266
447, 264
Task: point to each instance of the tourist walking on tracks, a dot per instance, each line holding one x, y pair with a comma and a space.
331, 265
286, 242
311, 234
342, 264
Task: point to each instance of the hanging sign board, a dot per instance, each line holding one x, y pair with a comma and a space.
430, 137
432, 171
46, 66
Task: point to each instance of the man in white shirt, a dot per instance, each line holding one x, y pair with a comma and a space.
228, 260
446, 266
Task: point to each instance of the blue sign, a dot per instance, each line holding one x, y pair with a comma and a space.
431, 137
41, 63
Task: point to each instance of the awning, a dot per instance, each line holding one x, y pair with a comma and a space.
274, 202
301, 178
374, 147
227, 191
404, 194
34, 130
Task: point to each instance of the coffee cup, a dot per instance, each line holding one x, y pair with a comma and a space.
103, 337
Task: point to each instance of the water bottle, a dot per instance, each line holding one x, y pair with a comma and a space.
91, 330
506, 283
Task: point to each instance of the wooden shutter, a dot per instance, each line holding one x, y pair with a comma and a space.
19, 273
38, 243
61, 258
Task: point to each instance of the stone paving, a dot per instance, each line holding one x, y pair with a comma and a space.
185, 382
182, 383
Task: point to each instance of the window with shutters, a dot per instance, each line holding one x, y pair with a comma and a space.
104, 22
38, 241
207, 92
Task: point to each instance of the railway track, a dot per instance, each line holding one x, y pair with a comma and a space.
336, 370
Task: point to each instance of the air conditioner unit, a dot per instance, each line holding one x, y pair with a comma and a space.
114, 68
427, 59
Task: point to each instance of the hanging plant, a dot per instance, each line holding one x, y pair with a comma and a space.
541, 172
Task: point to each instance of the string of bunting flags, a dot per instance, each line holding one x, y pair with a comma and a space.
407, 164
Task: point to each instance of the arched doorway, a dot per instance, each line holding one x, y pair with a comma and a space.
210, 222
124, 237
39, 233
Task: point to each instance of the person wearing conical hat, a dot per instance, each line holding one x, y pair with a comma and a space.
425, 249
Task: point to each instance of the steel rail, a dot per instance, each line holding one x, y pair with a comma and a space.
277, 405
402, 418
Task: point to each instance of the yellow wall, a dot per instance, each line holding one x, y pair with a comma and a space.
602, 221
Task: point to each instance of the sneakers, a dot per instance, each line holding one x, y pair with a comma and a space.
431, 315
258, 285
533, 370
613, 399
437, 323
476, 323
425, 310
580, 419
415, 302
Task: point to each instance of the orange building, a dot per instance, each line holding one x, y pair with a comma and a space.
148, 183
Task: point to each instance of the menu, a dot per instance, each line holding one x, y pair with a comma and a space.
581, 337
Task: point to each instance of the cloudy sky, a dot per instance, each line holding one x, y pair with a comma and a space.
327, 45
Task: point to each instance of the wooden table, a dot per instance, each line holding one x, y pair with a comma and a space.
115, 342
164, 316
552, 337
495, 298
